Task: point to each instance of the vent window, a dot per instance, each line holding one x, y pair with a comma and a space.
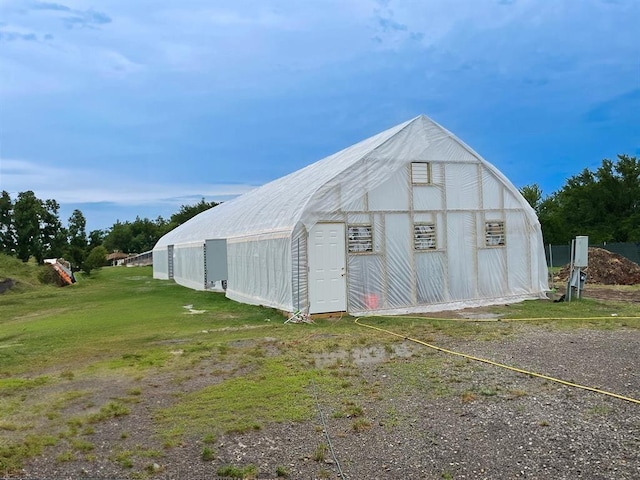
494, 234
360, 238
424, 236
420, 173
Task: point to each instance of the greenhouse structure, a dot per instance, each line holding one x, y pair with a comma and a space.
410, 220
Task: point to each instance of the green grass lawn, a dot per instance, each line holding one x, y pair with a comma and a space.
58, 346
120, 321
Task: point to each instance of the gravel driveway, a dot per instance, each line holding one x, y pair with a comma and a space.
428, 415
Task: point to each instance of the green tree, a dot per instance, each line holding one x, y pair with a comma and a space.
54, 236
27, 212
36, 227
77, 249
7, 233
552, 220
95, 260
187, 212
118, 239
603, 204
628, 174
144, 235
96, 238
533, 195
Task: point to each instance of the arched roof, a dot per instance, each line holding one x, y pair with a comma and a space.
278, 206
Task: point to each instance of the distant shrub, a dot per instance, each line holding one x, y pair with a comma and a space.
95, 260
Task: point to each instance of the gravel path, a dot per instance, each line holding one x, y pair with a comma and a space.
424, 416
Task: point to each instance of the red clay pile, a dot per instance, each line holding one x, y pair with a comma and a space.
607, 268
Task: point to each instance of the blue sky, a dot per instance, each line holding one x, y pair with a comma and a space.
123, 108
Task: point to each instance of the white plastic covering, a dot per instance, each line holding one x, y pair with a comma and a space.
370, 184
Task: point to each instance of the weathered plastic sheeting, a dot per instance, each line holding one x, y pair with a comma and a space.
539, 270
392, 195
518, 254
461, 186
189, 265
445, 306
370, 184
431, 278
260, 270
428, 197
492, 191
365, 283
461, 255
299, 269
492, 269
399, 259
161, 264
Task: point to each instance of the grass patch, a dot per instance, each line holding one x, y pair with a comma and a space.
12, 455
282, 471
208, 454
585, 312
320, 453
25, 274
13, 385
244, 403
361, 425
110, 410
82, 445
66, 456
233, 471
488, 391
600, 410
124, 458
430, 375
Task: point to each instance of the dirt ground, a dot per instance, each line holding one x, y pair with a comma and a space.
603, 292
606, 268
422, 414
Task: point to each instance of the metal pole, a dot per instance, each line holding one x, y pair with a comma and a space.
551, 267
578, 289
568, 294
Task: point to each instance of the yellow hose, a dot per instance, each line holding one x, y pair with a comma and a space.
568, 318
501, 365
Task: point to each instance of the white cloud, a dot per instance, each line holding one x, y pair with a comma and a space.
73, 186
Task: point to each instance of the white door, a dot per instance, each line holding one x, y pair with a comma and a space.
327, 268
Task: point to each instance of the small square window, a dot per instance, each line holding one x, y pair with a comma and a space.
494, 234
360, 239
420, 173
424, 236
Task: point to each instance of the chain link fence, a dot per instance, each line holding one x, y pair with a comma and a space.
559, 255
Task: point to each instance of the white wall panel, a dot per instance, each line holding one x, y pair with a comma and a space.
462, 186
461, 255
392, 194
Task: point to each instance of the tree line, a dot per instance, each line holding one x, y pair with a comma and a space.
603, 204
31, 228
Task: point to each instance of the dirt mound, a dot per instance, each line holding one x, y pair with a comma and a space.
607, 268
6, 284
